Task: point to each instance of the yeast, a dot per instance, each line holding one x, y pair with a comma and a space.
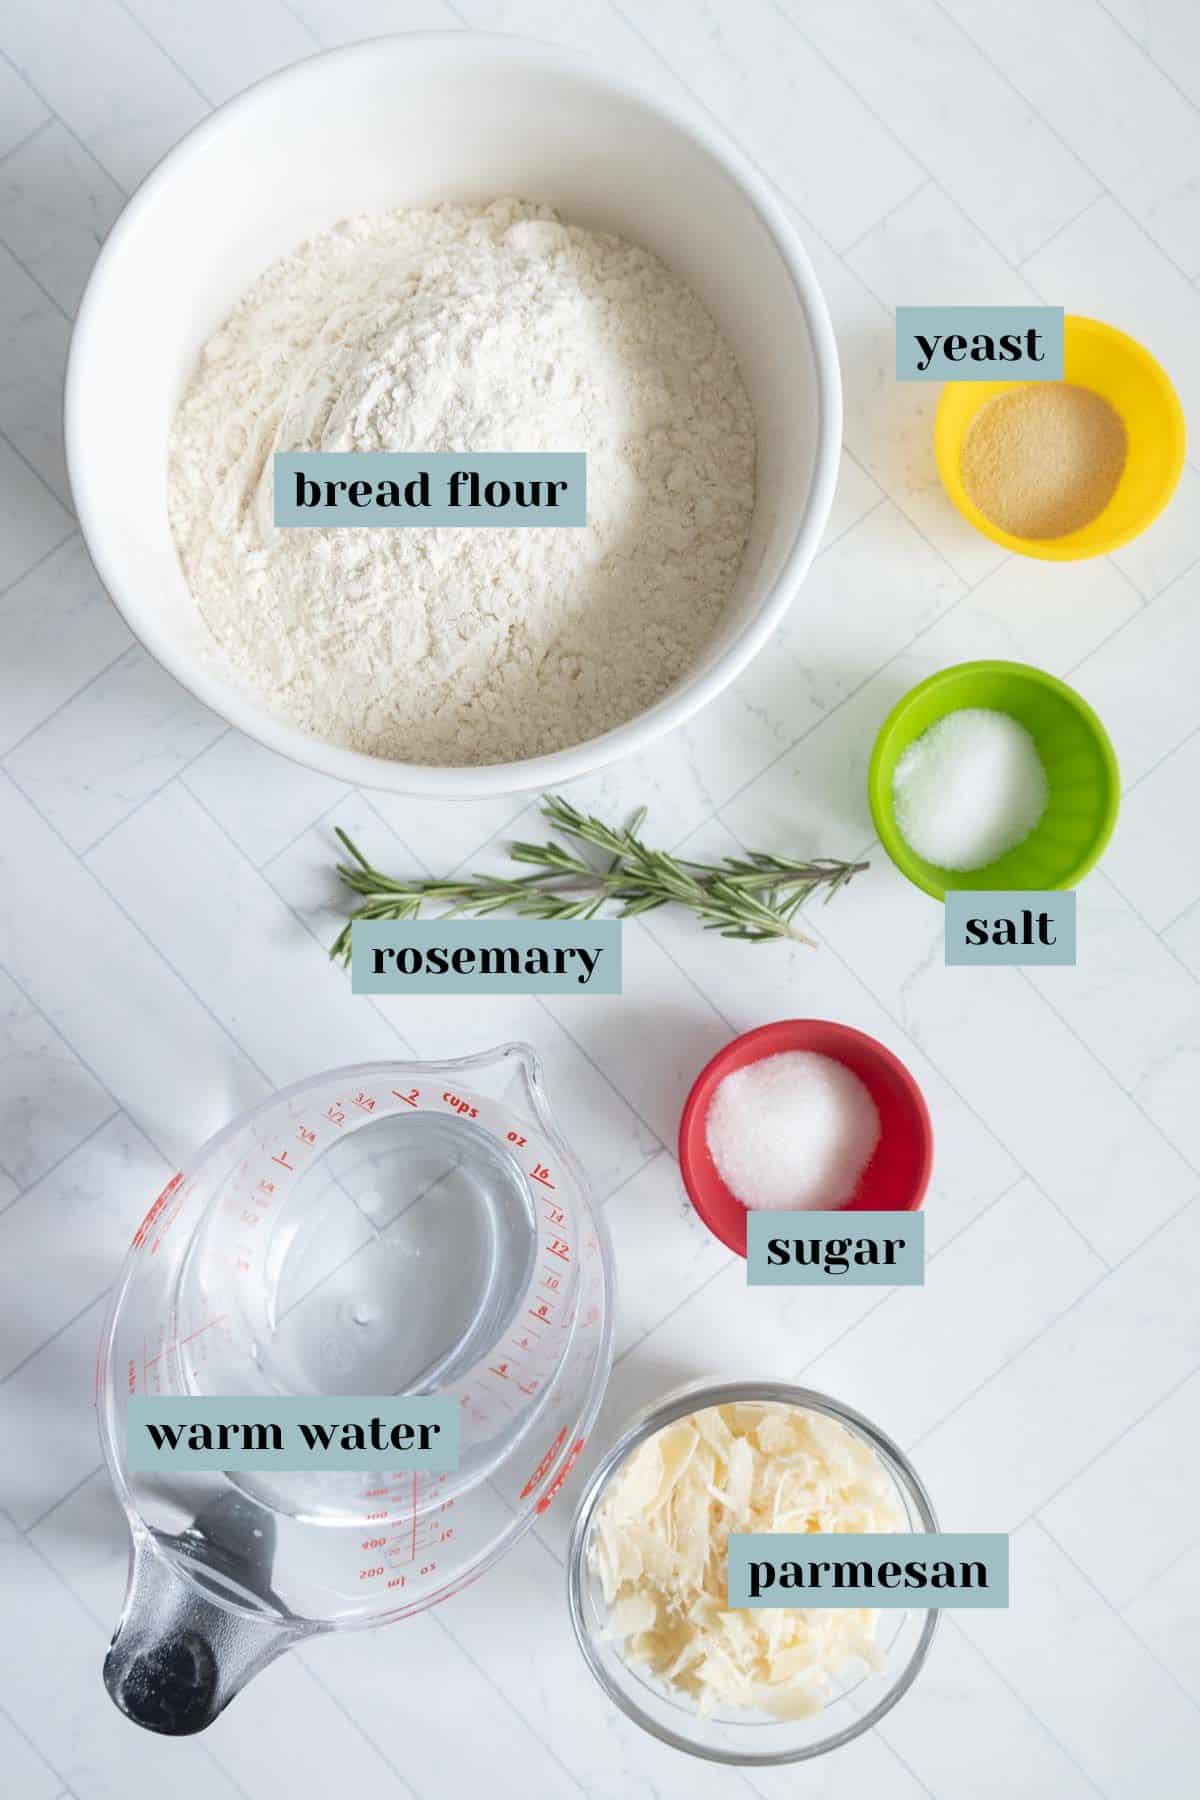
982, 347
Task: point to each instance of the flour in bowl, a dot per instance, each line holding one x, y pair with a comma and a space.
463, 329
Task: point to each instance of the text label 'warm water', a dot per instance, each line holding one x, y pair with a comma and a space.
271, 1431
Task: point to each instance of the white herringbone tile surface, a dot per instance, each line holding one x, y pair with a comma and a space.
165, 897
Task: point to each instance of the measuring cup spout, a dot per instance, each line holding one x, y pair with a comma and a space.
180, 1653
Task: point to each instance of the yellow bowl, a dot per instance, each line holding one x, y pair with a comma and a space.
1112, 365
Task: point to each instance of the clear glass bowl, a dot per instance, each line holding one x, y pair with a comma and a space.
730, 1736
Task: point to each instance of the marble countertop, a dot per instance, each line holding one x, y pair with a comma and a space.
165, 902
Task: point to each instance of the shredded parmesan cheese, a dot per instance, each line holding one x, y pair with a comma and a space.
660, 1545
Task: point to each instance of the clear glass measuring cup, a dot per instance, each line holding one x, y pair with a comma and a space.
390, 1228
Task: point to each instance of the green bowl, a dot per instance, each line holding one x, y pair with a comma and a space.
1080, 764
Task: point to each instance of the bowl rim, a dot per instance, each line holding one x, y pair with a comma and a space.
879, 793
359, 768
721, 1219
697, 1396
946, 454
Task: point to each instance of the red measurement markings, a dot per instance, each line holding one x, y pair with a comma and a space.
550, 1280
559, 1247
544, 1467
165, 1224
365, 1102
555, 1485
540, 1172
305, 1135
178, 1345
143, 1230
334, 1113
284, 1163
541, 1311
555, 1214
514, 1137
409, 1099
458, 1105
489, 1397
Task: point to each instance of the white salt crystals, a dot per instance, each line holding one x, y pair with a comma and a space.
969, 789
793, 1130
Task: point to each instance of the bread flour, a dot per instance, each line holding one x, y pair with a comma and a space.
467, 329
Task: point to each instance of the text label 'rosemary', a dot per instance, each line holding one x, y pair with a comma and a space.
485, 956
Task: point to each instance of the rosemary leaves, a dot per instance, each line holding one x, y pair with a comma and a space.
755, 897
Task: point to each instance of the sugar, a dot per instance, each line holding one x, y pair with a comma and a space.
969, 789
792, 1130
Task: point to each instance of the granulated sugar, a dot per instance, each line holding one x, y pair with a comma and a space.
467, 328
1045, 459
969, 789
793, 1130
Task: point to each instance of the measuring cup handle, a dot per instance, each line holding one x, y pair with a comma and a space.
177, 1658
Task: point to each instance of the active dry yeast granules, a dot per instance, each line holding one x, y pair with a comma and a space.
1043, 460
467, 328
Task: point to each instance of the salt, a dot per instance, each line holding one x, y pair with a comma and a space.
792, 1130
969, 789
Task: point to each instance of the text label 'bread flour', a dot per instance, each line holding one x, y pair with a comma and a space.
410, 487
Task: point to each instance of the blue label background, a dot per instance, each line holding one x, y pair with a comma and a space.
907, 1271
980, 903
594, 935
875, 1547
967, 321
405, 465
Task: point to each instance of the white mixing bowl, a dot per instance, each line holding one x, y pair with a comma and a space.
404, 121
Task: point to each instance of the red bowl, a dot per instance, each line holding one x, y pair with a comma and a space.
898, 1173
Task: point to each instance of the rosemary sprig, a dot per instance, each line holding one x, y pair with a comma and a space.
755, 897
